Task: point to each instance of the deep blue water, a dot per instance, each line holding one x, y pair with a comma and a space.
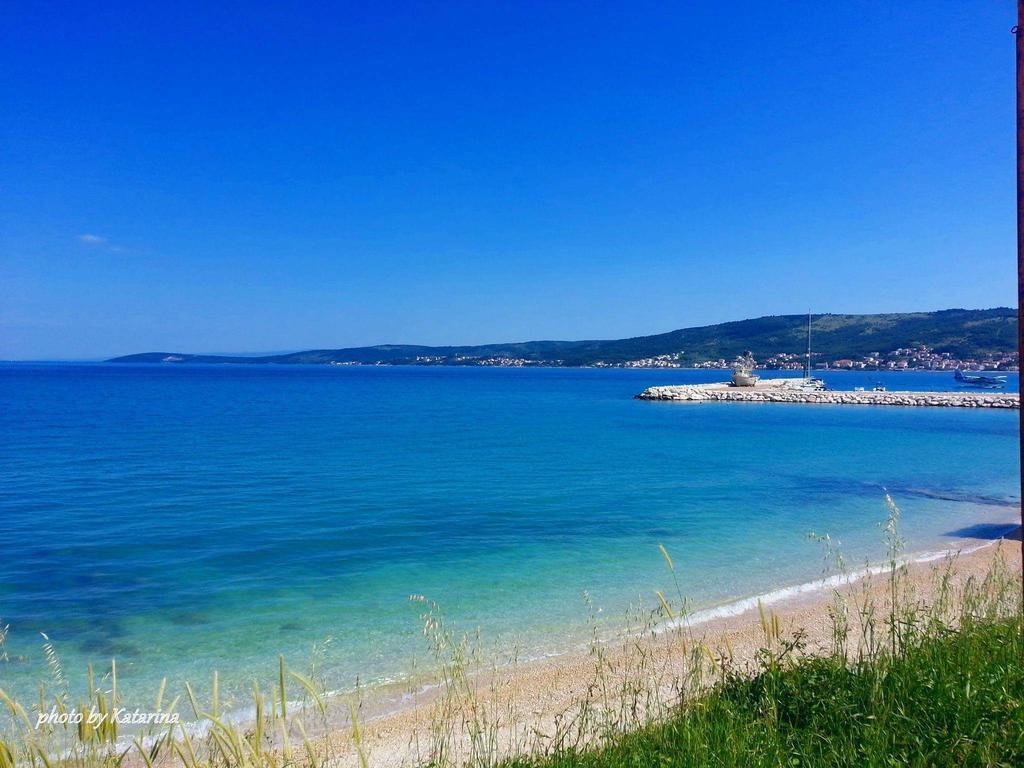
191, 518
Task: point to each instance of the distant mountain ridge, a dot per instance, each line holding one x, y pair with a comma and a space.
963, 333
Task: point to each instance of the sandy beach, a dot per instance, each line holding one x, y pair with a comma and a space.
572, 698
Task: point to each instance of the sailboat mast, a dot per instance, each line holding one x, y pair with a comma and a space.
807, 367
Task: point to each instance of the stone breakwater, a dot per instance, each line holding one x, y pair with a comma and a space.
701, 393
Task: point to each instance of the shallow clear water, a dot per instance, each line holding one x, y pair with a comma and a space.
185, 519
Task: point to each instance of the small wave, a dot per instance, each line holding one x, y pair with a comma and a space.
741, 606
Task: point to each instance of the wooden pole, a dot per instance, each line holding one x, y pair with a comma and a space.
1019, 34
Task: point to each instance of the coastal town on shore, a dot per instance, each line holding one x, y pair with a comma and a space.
920, 358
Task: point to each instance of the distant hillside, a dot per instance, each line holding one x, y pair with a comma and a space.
964, 333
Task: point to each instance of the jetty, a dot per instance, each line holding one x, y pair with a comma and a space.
787, 391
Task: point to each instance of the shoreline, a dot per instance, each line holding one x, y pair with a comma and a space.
787, 594
534, 694
393, 697
527, 699
774, 372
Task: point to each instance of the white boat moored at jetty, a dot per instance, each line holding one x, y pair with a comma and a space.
743, 371
804, 385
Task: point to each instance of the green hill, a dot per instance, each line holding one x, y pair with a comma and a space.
964, 333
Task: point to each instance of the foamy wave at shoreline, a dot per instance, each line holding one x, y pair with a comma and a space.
782, 594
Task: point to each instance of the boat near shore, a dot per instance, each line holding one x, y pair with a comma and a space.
743, 371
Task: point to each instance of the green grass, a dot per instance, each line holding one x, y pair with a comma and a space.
954, 698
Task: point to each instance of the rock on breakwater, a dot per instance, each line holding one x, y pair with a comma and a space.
767, 394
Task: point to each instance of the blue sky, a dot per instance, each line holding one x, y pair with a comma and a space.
264, 177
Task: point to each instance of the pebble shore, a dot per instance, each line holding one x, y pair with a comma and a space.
705, 393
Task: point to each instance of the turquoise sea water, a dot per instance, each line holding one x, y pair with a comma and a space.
186, 519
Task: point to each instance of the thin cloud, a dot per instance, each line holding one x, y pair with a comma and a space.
96, 241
